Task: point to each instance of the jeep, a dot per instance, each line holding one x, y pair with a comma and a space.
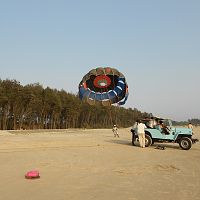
165, 133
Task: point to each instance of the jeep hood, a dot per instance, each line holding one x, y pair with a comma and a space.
183, 131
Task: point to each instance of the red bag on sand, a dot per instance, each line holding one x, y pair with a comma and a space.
32, 174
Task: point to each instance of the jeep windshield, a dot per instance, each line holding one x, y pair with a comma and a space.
152, 122
167, 122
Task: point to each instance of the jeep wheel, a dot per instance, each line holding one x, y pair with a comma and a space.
185, 143
148, 140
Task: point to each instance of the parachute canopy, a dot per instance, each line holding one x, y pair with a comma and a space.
105, 85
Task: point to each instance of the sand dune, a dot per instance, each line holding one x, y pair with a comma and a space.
80, 164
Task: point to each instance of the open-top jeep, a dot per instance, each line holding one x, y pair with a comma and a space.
165, 133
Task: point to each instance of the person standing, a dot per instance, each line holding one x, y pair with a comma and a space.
115, 131
134, 132
141, 133
191, 127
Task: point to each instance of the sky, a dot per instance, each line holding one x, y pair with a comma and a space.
154, 43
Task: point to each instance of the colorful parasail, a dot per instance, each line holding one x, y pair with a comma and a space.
104, 85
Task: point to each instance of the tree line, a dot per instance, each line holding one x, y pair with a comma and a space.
194, 121
34, 107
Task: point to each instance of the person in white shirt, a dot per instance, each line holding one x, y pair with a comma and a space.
115, 131
141, 133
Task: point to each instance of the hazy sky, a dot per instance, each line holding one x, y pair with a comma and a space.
154, 43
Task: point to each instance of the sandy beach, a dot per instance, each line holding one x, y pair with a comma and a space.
79, 164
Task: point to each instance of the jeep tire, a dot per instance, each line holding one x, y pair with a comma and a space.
148, 140
185, 143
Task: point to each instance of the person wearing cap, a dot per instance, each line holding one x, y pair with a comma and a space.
115, 130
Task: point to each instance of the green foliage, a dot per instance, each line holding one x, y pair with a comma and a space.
195, 122
34, 107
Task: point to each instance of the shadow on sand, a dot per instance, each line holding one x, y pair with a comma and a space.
165, 146
118, 141
154, 146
